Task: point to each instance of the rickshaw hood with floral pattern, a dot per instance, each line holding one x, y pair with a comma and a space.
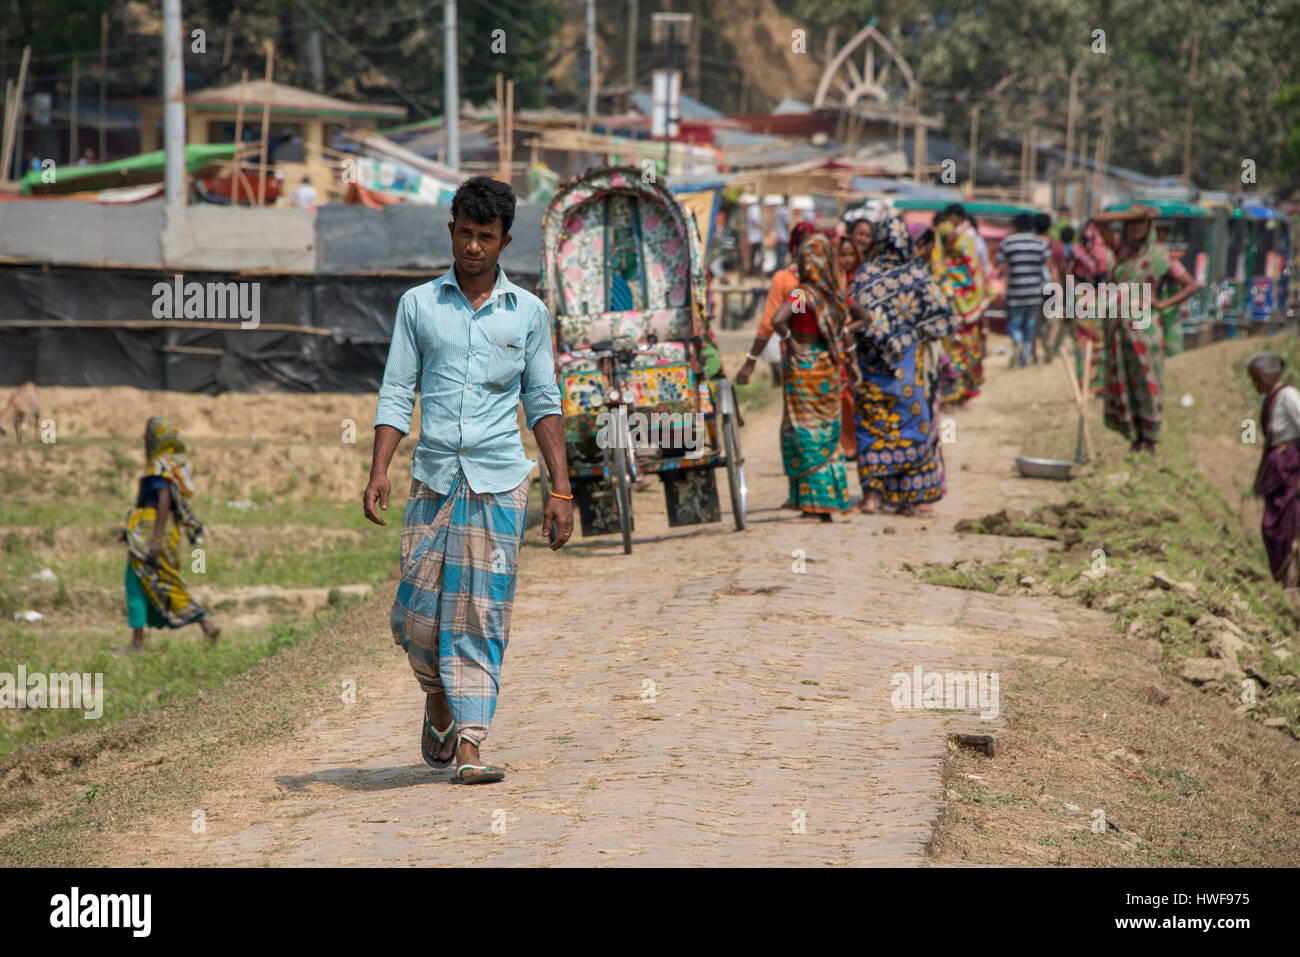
568, 277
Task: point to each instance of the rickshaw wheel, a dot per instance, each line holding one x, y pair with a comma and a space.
623, 486
735, 461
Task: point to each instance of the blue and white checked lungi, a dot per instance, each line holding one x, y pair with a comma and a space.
460, 554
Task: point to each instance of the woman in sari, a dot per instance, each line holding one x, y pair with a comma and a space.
155, 592
1089, 262
811, 325
849, 260
1279, 468
902, 310
783, 282
960, 276
1134, 343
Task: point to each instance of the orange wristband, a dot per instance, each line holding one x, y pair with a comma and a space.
567, 498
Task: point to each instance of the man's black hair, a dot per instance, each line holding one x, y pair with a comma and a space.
1067, 234
481, 199
1023, 222
955, 211
1042, 223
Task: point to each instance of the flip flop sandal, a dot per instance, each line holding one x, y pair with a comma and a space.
441, 739
479, 774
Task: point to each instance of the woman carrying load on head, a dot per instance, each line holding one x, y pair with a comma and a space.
1134, 340
155, 592
902, 310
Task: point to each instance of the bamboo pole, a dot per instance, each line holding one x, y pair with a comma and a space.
13, 111
510, 129
1187, 122
1083, 401
4, 130
236, 172
72, 114
1070, 112
501, 127
103, 88
266, 123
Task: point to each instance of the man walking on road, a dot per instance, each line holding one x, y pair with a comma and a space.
1025, 256
474, 344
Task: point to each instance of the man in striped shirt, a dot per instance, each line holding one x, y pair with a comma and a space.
1023, 256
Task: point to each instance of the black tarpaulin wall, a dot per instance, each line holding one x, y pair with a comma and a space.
354, 312
365, 260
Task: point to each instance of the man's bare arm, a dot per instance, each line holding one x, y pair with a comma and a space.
549, 432
387, 438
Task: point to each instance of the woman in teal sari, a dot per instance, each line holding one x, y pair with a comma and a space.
811, 325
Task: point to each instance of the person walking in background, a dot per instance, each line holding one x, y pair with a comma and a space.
957, 270
156, 594
972, 225
475, 345
1171, 322
753, 233
925, 245
1026, 258
1050, 327
1133, 341
849, 261
1089, 262
1279, 468
861, 230
898, 309
782, 232
811, 325
783, 282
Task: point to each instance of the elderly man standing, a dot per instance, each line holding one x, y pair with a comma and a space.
475, 345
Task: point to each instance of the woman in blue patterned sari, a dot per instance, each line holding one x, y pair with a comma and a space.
905, 309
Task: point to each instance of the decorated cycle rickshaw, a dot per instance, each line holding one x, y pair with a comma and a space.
641, 383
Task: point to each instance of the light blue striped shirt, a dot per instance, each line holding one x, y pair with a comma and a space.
472, 369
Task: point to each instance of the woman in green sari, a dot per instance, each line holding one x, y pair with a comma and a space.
1134, 341
811, 325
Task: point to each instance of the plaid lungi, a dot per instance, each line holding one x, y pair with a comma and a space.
452, 612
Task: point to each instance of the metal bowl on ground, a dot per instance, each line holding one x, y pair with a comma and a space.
1044, 468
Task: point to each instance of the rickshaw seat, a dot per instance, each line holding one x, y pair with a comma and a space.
602, 327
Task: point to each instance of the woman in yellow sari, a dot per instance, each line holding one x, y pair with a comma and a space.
155, 593
956, 266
